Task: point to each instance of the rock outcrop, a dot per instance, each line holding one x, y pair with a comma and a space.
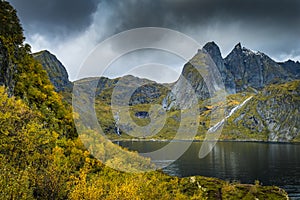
7, 70
292, 67
254, 70
214, 51
242, 70
199, 80
57, 73
271, 115
142, 114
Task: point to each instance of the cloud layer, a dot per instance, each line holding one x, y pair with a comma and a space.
55, 17
71, 29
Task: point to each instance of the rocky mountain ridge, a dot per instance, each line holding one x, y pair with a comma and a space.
241, 71
242, 68
271, 115
254, 70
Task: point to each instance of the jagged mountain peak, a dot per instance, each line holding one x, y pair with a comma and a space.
211, 44
254, 69
248, 52
240, 50
242, 70
292, 67
244, 51
57, 73
238, 46
213, 49
45, 51
289, 61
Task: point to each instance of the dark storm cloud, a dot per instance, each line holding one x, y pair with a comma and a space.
59, 17
63, 17
180, 13
72, 28
272, 26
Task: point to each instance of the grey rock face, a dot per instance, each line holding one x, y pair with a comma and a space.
214, 51
198, 81
7, 70
292, 67
240, 71
254, 70
273, 112
56, 71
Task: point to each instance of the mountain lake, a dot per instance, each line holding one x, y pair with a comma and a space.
270, 163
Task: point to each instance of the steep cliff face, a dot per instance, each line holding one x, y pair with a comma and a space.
242, 70
254, 70
7, 70
11, 38
214, 51
198, 81
271, 115
56, 71
149, 92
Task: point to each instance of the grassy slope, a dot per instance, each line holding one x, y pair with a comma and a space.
248, 123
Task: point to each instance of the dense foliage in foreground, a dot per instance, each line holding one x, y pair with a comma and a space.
41, 156
37, 163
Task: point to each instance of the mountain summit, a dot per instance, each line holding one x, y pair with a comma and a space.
57, 73
242, 70
214, 51
254, 70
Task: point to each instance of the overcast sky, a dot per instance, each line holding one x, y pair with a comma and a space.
71, 29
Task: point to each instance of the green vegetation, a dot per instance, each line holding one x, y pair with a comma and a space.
272, 115
10, 24
104, 114
37, 163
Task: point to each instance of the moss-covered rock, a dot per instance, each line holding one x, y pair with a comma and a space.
272, 115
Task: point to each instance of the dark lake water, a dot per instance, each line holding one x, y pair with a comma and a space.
270, 163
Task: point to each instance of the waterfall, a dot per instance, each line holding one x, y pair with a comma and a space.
165, 104
220, 123
216, 126
117, 118
238, 107
118, 130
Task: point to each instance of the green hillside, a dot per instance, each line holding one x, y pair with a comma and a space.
272, 115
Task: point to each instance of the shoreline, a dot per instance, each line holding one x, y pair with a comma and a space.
197, 140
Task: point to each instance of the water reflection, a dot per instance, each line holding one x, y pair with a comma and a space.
244, 161
271, 164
